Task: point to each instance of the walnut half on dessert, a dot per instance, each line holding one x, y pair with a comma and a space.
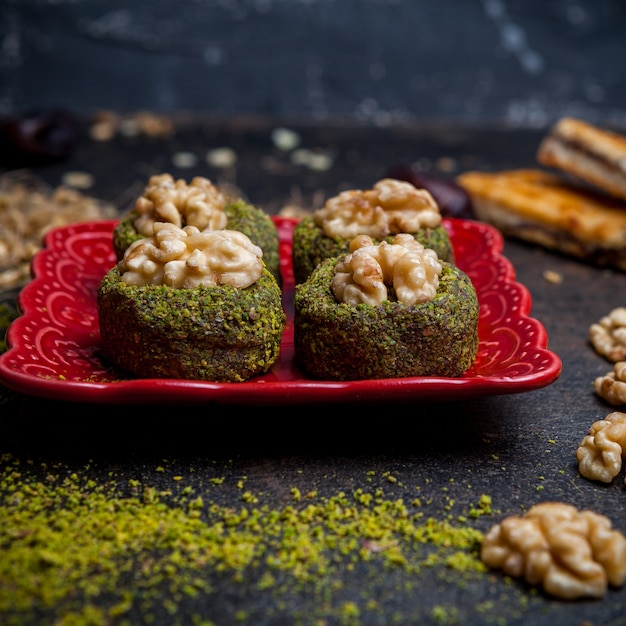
386, 310
190, 304
198, 203
390, 207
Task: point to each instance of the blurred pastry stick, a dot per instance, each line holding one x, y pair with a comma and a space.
592, 154
541, 207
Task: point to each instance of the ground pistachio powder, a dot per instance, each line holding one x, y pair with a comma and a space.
76, 551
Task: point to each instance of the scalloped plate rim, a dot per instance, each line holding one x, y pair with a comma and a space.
279, 392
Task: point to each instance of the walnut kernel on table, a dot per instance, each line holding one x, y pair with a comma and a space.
608, 338
572, 554
602, 450
608, 335
28, 210
612, 386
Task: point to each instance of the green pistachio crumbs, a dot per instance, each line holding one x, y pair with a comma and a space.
71, 546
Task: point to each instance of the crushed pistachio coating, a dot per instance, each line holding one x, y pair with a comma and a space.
102, 552
221, 333
338, 341
310, 245
241, 216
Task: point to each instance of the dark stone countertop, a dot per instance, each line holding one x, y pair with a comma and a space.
519, 449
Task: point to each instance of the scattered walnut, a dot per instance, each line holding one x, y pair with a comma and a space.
316, 160
285, 139
78, 180
184, 159
200, 204
365, 273
184, 258
550, 276
608, 335
571, 553
28, 210
221, 157
106, 124
391, 207
612, 386
601, 452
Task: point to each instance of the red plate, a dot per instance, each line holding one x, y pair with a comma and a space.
54, 346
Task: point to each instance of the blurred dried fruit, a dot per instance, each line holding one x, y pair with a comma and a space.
37, 137
452, 199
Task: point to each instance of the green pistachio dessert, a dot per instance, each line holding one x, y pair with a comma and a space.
199, 203
191, 304
389, 208
388, 310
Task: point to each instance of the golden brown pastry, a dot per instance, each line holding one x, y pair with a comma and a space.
592, 154
541, 207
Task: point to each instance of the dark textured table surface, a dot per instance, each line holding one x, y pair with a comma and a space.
439, 460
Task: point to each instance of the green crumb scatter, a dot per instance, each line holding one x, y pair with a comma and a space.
445, 615
71, 546
483, 507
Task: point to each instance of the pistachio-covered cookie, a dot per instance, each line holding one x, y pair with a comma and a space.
387, 310
190, 304
389, 208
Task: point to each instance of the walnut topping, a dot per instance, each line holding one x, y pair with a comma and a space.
612, 386
608, 335
601, 452
365, 273
391, 207
199, 203
184, 258
572, 553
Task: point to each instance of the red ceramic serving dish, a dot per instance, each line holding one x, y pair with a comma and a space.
54, 346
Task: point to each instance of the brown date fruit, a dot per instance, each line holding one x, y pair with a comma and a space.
38, 137
452, 199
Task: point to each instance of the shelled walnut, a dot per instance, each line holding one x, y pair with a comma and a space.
390, 207
365, 273
602, 450
572, 554
612, 386
199, 203
29, 208
608, 335
184, 258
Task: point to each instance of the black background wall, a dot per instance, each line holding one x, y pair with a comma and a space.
516, 62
